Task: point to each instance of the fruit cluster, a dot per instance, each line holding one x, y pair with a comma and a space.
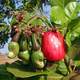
36, 45
26, 45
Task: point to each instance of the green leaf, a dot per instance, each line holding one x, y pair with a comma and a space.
56, 2
61, 3
44, 77
71, 10
18, 69
58, 15
73, 51
68, 39
4, 75
23, 71
2, 67
73, 31
66, 13
78, 7
62, 69
74, 27
37, 22
73, 24
68, 1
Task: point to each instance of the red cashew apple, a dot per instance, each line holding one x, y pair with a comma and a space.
53, 46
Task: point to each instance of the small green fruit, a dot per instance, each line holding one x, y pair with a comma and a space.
25, 56
11, 55
38, 59
14, 47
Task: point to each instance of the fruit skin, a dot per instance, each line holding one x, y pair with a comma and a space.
11, 55
37, 58
53, 46
13, 47
25, 56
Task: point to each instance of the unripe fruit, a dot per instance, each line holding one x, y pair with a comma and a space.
14, 47
37, 58
25, 56
11, 55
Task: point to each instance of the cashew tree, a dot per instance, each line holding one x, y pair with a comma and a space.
46, 46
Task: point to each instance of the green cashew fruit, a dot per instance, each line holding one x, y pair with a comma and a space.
11, 55
25, 56
13, 47
37, 58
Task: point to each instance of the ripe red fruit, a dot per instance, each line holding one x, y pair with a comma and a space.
53, 46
